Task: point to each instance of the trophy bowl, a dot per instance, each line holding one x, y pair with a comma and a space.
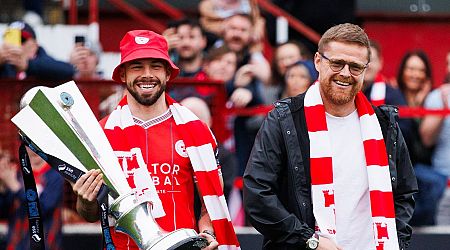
134, 218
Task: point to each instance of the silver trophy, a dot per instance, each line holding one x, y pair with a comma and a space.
60, 123
135, 219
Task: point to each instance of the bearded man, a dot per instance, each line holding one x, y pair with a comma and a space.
165, 139
328, 170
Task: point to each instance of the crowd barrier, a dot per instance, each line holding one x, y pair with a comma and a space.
404, 112
95, 91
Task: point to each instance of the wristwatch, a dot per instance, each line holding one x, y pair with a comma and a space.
313, 242
210, 233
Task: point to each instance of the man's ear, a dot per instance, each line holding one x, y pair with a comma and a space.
168, 73
317, 59
204, 42
122, 73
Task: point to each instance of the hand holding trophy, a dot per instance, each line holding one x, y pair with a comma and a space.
59, 122
164, 151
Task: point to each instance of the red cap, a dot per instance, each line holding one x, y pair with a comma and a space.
141, 44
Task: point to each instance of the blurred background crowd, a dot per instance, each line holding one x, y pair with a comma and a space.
233, 55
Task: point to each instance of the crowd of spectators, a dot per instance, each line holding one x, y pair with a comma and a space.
226, 46
21, 57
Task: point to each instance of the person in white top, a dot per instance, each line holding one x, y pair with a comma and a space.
328, 170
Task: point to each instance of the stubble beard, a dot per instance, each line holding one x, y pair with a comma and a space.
190, 57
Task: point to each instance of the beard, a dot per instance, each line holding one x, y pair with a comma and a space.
236, 43
340, 96
146, 99
188, 55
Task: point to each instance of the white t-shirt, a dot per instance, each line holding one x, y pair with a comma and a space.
352, 201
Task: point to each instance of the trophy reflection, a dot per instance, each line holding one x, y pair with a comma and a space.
60, 123
135, 219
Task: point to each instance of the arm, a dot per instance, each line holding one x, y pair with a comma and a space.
395, 97
86, 189
258, 20
206, 9
265, 210
10, 187
43, 66
209, 20
430, 128
246, 96
431, 125
173, 39
2, 54
205, 224
403, 194
261, 67
14, 56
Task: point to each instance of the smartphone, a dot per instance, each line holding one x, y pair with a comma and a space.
80, 39
12, 36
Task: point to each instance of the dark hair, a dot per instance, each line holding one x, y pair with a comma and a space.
187, 21
300, 64
423, 56
309, 65
215, 53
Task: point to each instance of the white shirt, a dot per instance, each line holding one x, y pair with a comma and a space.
352, 201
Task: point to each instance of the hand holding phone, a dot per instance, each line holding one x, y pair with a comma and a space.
80, 40
12, 36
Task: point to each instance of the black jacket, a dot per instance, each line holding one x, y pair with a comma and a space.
43, 67
277, 183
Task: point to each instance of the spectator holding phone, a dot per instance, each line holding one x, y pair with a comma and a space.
21, 57
85, 57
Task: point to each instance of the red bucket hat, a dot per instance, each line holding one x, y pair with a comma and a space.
140, 44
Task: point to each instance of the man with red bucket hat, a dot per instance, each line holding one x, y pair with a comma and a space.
148, 128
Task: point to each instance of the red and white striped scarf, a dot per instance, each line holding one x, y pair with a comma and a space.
378, 92
322, 186
199, 142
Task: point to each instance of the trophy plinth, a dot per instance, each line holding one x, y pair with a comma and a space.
134, 218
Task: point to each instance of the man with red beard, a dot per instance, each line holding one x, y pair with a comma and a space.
149, 131
328, 170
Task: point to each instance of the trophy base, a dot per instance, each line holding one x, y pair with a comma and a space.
181, 239
135, 219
